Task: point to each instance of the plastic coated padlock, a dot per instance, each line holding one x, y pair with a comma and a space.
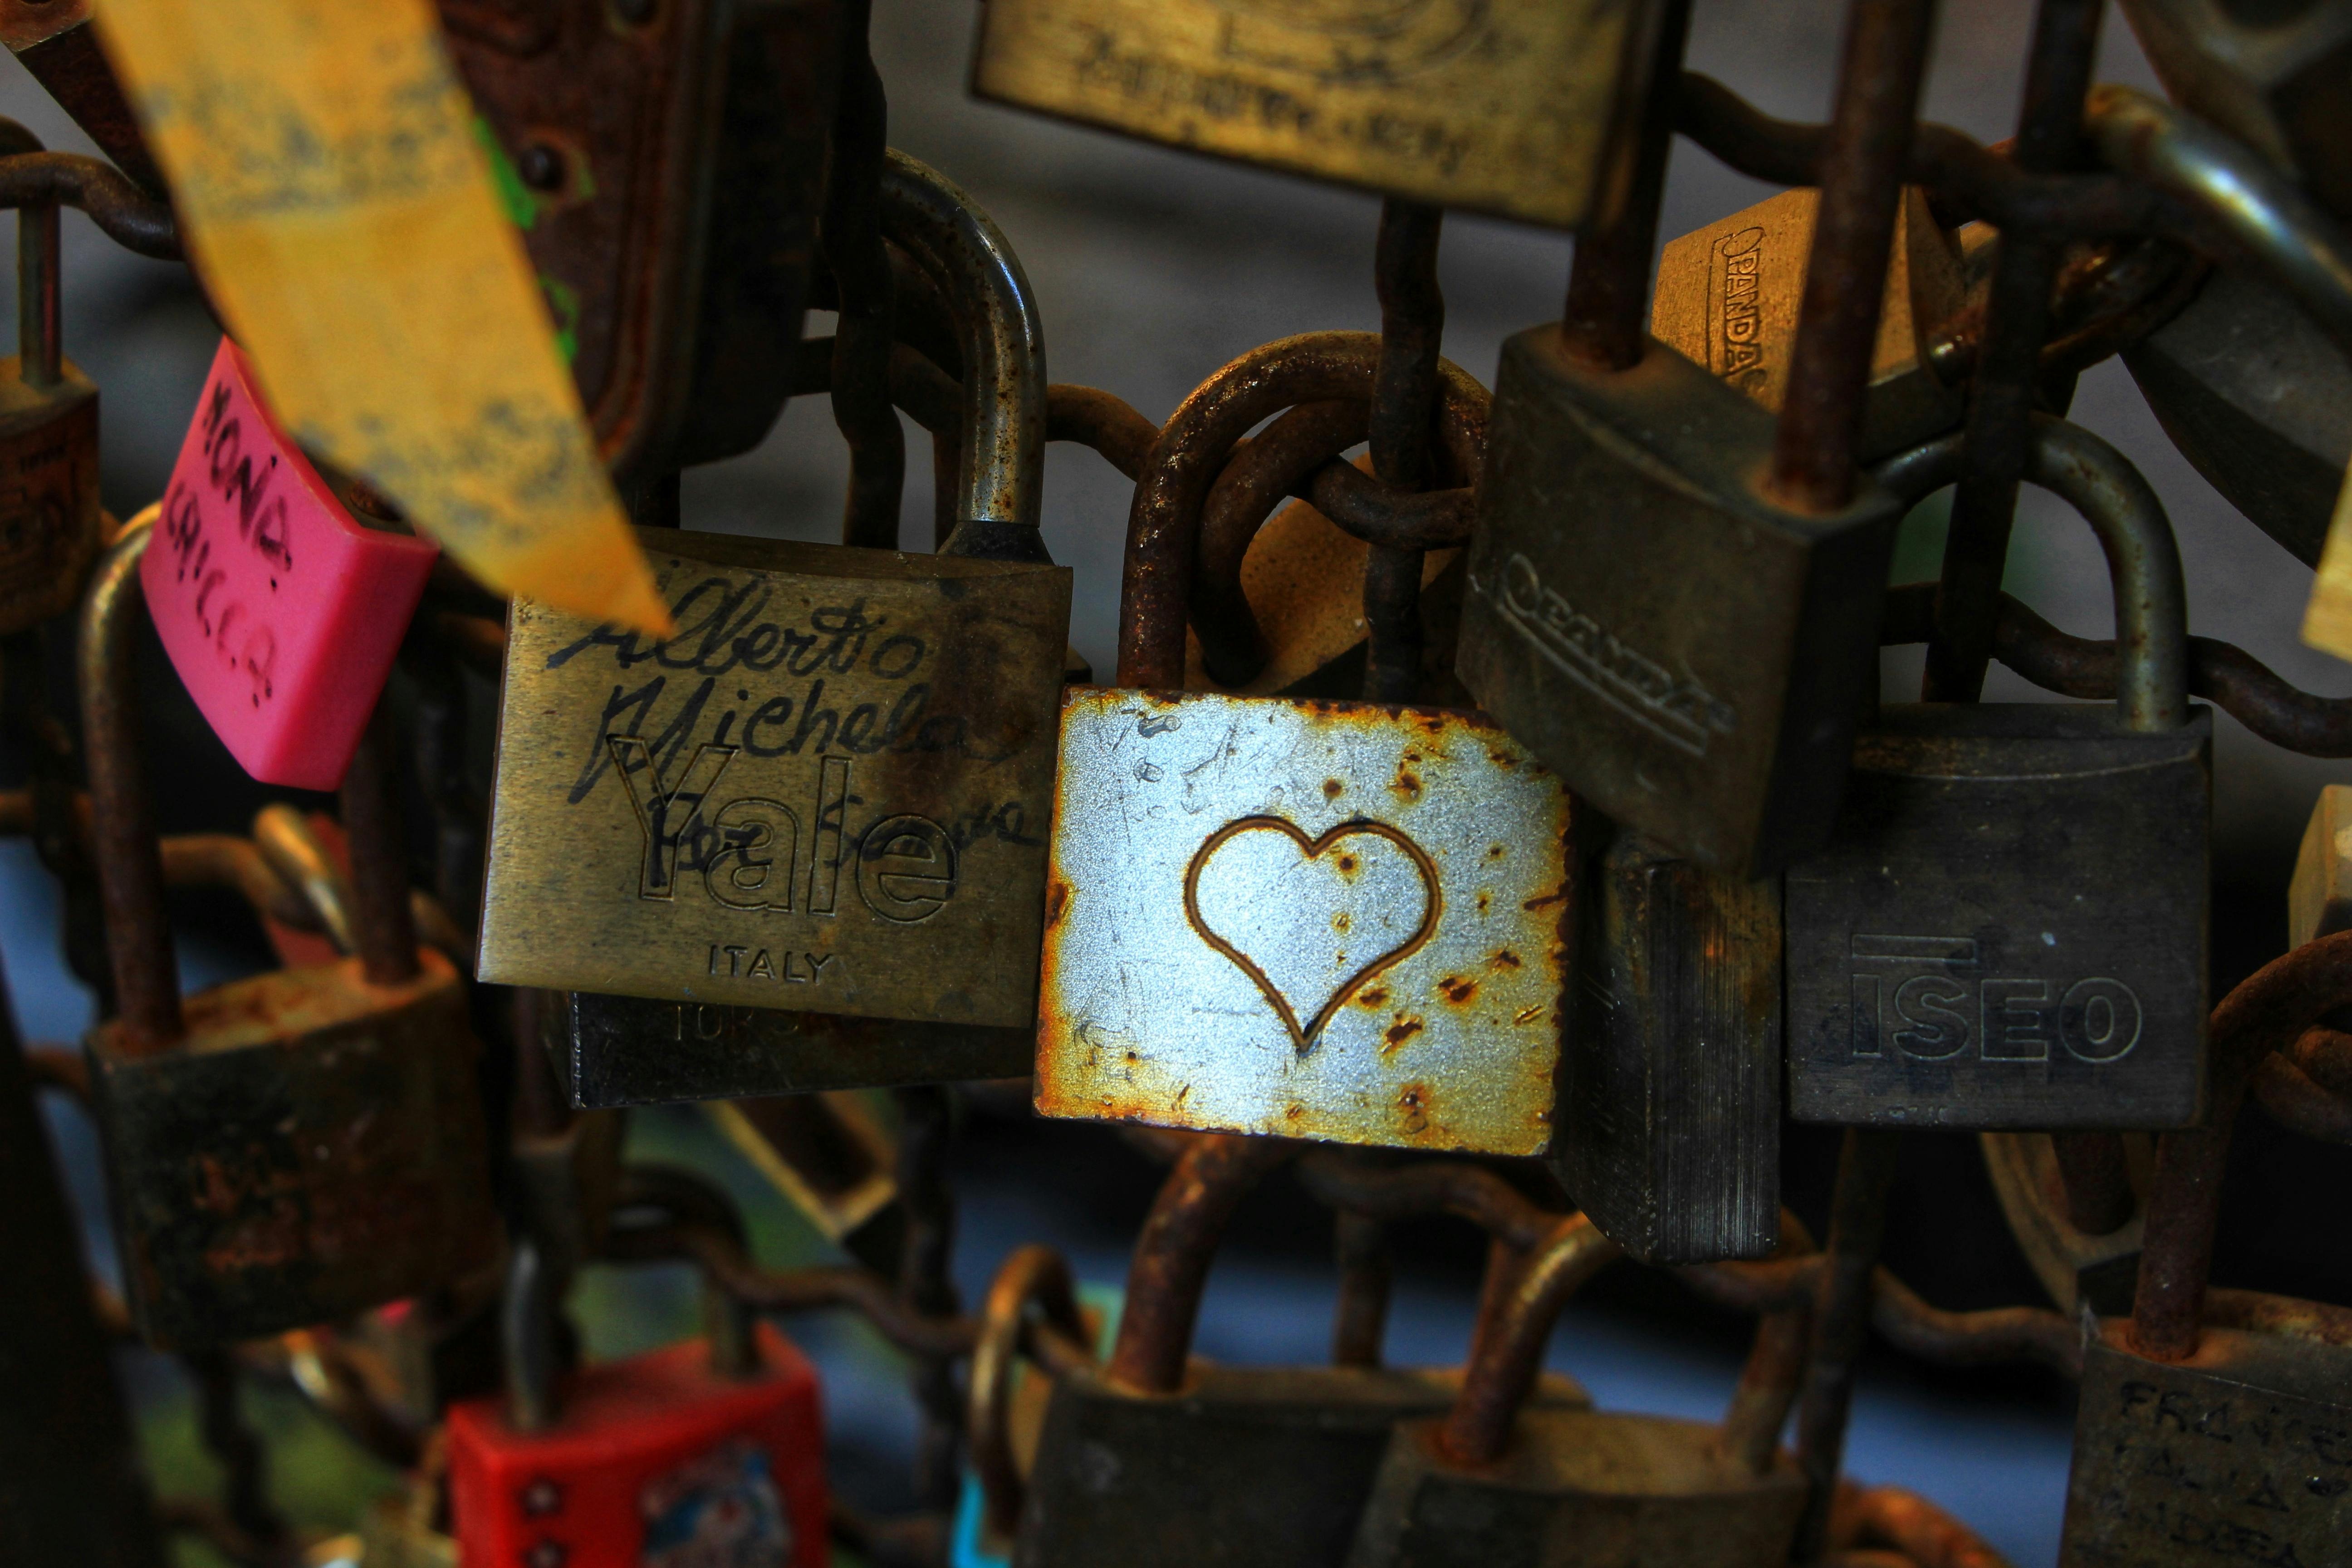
282, 610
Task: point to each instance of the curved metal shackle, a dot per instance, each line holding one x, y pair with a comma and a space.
1001, 471
40, 353
2248, 204
1173, 1250
1509, 1351
1035, 1276
2142, 558
129, 861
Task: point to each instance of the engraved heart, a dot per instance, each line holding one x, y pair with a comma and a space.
1265, 884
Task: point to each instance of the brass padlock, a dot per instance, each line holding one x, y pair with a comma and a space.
2320, 898
1670, 1103
665, 163
2259, 400
49, 520
2277, 77
1160, 1460
1522, 108
2009, 930
828, 791
286, 1148
2218, 1426
1728, 296
1496, 1480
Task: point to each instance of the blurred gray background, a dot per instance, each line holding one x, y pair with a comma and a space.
1153, 268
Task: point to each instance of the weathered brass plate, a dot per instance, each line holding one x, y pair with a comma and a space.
1515, 106
828, 791
1322, 919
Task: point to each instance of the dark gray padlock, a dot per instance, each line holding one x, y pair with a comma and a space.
2009, 930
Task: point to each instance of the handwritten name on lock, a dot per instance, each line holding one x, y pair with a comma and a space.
1323, 920
280, 612
828, 791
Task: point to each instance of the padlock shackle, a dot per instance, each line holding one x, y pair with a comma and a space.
1509, 1351
2240, 203
2266, 1012
123, 812
1173, 1250
2143, 557
1001, 478
1035, 1276
40, 339
384, 931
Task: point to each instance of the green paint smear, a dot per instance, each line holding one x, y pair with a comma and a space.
521, 206
563, 300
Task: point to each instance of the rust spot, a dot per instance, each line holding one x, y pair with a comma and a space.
1458, 989
1295, 1111
1057, 900
1525, 1016
1342, 922
1375, 998
1349, 866
1546, 902
1505, 959
1408, 784
1331, 788
1485, 899
1412, 1106
1495, 851
1405, 1027
1502, 758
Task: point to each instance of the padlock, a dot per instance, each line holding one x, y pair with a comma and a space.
2259, 401
280, 608
1521, 108
665, 164
2277, 77
1673, 598
2218, 1426
1161, 1460
1670, 1103
57, 44
1497, 1480
1727, 295
286, 1148
1284, 916
709, 1451
50, 519
831, 1159
1970, 952
828, 791
2320, 898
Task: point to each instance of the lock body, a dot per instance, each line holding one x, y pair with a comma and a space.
665, 164
50, 521
1670, 1126
280, 611
657, 1461
1686, 654
2011, 929
1656, 1491
631, 1050
1522, 108
1243, 1466
314, 1148
2259, 400
2239, 1453
1315, 919
828, 791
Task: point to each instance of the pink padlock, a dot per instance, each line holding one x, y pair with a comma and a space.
280, 610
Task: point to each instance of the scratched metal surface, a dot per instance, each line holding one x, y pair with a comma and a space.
1325, 919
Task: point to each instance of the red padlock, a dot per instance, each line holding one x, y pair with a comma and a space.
706, 1454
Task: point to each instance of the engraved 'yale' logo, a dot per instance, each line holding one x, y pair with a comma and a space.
1682, 712
1929, 998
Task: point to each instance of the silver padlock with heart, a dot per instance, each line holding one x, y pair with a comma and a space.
1321, 920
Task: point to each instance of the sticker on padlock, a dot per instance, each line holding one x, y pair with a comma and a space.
697, 130
1517, 106
1728, 296
290, 1148
280, 609
1161, 1459
1948, 964
712, 1450
1314, 918
828, 794
2217, 1423
49, 517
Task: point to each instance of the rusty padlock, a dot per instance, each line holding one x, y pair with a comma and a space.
665, 163
2217, 1423
1159, 1460
827, 793
1949, 963
286, 1148
49, 517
